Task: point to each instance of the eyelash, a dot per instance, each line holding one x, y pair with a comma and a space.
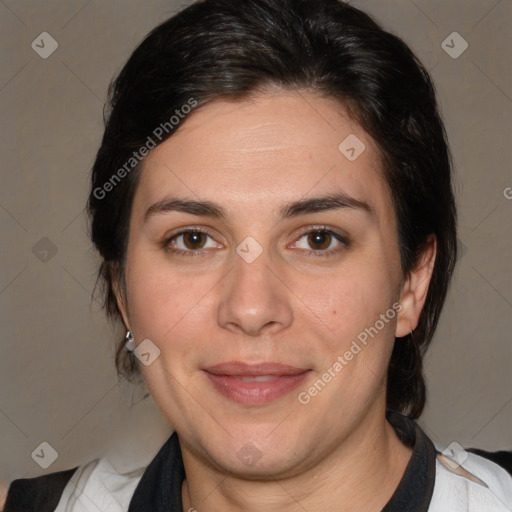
324, 253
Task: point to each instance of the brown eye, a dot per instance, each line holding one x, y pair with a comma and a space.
194, 240
190, 242
319, 240
322, 242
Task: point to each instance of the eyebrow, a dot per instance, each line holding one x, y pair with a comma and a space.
328, 202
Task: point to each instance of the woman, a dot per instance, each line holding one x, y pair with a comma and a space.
273, 204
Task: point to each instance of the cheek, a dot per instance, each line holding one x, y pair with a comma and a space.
358, 304
354, 299
162, 303
362, 320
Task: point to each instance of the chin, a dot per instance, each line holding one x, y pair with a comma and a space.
254, 456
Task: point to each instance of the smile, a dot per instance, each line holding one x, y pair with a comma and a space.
255, 384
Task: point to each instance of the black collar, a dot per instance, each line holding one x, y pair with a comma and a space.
414, 492
159, 489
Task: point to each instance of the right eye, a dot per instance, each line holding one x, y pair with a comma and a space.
189, 242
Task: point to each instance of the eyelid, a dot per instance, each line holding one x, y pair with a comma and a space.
325, 227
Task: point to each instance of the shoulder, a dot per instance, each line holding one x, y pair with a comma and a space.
97, 483
41, 493
468, 481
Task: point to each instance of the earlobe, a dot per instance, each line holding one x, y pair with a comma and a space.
415, 289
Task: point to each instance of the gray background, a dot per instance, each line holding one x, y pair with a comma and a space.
57, 376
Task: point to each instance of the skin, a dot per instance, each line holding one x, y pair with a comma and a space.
251, 157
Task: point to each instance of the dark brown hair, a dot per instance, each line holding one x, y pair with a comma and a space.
230, 49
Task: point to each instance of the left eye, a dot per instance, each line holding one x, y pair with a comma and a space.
320, 240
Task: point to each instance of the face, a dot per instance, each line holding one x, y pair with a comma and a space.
276, 318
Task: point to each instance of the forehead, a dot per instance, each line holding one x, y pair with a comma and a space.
263, 152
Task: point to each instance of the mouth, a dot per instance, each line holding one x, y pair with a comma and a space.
257, 384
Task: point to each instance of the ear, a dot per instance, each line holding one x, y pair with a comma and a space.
120, 295
414, 290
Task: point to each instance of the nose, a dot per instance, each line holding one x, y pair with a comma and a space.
254, 299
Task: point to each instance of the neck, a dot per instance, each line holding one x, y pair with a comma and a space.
361, 473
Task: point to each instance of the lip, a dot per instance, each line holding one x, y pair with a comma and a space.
226, 378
